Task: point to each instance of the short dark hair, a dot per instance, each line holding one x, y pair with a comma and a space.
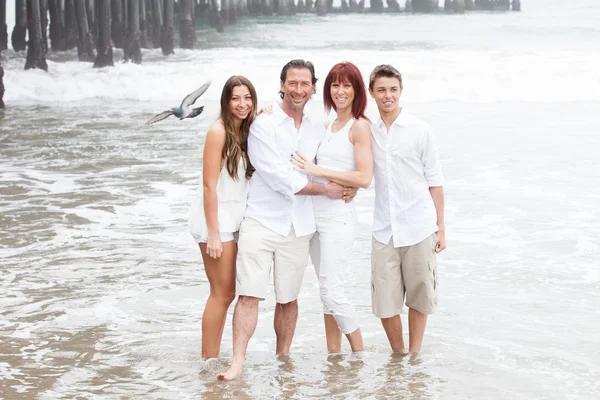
384, 70
298, 64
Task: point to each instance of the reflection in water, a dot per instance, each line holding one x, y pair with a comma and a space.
216, 390
341, 374
287, 377
404, 376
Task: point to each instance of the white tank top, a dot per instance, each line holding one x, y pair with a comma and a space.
336, 152
231, 194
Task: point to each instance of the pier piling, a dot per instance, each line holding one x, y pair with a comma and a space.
167, 38
3, 27
19, 31
35, 51
104, 53
85, 45
133, 48
187, 30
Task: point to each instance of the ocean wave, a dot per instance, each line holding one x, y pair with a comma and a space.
428, 76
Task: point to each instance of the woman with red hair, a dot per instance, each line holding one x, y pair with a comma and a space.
344, 157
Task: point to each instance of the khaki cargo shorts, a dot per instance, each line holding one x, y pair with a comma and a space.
400, 271
259, 249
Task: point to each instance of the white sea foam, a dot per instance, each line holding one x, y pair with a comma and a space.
429, 76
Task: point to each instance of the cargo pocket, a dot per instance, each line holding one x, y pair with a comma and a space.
433, 271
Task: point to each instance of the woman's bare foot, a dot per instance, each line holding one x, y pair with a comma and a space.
232, 373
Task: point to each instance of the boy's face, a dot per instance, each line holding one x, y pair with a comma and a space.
386, 92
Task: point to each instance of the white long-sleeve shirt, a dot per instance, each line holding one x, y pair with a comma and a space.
405, 165
271, 199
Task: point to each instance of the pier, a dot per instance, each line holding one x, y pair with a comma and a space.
94, 27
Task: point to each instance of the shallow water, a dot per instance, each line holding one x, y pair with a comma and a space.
103, 287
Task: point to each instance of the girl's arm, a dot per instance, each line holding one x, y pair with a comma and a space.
211, 167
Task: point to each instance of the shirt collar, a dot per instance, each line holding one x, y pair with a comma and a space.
401, 120
280, 115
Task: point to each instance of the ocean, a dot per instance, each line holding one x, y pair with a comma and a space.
103, 287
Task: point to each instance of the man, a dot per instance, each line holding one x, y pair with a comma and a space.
279, 220
408, 220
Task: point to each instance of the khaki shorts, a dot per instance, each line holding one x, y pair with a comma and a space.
259, 248
410, 270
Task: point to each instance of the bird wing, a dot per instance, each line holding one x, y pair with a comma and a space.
159, 117
192, 97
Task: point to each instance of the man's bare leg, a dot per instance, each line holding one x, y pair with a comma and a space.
245, 317
393, 330
332, 334
284, 322
416, 330
356, 341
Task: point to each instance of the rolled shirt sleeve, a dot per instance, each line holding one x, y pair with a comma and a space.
266, 158
431, 160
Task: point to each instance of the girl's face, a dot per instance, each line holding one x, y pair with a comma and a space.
241, 102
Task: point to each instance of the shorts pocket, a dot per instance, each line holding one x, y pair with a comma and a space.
435, 241
433, 271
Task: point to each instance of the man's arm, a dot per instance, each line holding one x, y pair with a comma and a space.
266, 158
331, 190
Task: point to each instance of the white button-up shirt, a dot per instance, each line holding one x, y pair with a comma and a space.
405, 166
271, 199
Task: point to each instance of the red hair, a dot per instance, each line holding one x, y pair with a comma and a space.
346, 72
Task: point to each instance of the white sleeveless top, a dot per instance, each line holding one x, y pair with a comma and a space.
336, 152
231, 195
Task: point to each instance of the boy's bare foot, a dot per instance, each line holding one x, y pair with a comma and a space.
232, 373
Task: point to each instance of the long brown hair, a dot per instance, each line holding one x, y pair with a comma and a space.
236, 142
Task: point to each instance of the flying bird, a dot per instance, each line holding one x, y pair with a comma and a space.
185, 110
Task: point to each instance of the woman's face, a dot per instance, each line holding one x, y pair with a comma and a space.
342, 94
241, 102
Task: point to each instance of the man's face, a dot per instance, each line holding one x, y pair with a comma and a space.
297, 88
386, 92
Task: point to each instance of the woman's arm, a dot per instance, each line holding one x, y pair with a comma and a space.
360, 136
211, 167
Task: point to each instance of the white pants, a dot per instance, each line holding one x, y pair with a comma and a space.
330, 252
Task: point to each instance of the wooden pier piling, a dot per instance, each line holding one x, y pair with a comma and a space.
187, 28
104, 53
85, 43
133, 47
19, 31
143, 26
35, 51
3, 27
167, 33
